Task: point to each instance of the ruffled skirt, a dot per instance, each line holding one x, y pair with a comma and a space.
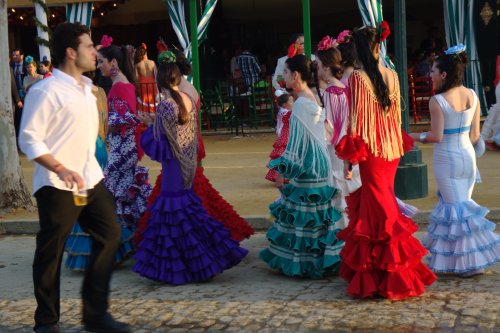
212, 201
460, 239
182, 243
303, 236
79, 247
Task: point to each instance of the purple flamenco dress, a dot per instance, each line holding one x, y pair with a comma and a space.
181, 243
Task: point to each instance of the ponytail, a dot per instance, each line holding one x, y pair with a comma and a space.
168, 76
314, 71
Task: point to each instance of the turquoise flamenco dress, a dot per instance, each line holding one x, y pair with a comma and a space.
303, 238
79, 244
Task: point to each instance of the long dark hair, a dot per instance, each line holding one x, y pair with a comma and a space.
454, 66
182, 63
366, 39
120, 53
168, 76
140, 52
348, 52
302, 65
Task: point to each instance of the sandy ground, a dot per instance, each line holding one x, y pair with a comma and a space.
236, 167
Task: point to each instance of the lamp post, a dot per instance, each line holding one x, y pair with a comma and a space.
411, 176
306, 20
195, 58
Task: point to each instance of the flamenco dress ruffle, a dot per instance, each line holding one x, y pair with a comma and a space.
78, 246
181, 242
279, 147
380, 256
460, 238
303, 238
212, 201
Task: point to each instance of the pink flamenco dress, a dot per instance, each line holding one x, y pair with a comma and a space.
125, 179
380, 257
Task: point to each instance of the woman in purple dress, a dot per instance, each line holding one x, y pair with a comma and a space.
127, 181
181, 242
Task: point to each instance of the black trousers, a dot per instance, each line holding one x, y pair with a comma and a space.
58, 214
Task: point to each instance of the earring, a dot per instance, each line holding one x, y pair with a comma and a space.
114, 71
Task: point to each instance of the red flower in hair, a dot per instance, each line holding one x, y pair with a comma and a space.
294, 49
161, 46
106, 41
144, 46
326, 43
384, 30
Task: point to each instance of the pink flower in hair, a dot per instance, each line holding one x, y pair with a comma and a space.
343, 37
326, 43
106, 41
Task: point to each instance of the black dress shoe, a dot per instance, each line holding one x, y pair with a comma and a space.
105, 324
52, 328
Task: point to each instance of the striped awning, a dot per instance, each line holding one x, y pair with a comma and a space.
79, 12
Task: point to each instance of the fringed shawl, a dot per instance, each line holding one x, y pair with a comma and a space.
307, 139
380, 129
181, 138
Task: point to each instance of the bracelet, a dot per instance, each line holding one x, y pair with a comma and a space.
57, 166
423, 137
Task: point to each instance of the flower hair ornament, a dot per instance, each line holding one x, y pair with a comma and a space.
161, 46
383, 31
28, 59
327, 43
279, 92
167, 57
294, 49
144, 46
457, 49
344, 37
106, 41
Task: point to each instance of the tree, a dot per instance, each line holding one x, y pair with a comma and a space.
13, 190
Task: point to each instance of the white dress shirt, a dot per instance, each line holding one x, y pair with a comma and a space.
60, 118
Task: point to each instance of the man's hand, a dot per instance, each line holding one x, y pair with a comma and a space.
19, 104
70, 178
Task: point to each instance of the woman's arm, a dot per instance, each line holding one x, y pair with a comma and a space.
475, 129
435, 135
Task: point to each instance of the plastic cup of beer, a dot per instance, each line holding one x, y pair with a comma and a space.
80, 197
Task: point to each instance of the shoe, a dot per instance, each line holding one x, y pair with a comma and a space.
105, 324
472, 273
52, 328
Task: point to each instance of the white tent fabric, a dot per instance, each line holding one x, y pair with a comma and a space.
371, 13
79, 12
459, 27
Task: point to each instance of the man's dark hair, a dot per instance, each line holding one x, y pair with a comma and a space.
64, 36
295, 36
21, 52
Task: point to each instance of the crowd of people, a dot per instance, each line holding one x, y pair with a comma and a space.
339, 142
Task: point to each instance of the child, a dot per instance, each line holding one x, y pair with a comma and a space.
285, 102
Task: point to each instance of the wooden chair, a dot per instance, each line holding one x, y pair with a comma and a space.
421, 91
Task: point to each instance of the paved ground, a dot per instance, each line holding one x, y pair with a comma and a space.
252, 298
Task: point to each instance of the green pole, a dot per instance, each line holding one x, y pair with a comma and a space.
411, 176
195, 57
306, 17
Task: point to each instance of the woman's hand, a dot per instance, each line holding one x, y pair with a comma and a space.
146, 117
347, 170
280, 181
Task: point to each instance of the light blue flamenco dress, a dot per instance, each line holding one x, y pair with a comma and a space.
460, 239
303, 238
79, 244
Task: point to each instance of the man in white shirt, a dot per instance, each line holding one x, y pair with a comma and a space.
280, 65
59, 131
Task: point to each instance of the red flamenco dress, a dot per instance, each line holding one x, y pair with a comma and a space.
279, 145
380, 256
212, 201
